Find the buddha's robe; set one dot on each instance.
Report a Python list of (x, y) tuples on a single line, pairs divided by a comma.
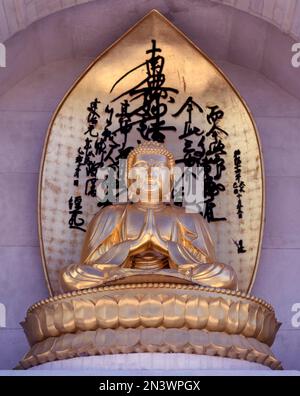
[(131, 240)]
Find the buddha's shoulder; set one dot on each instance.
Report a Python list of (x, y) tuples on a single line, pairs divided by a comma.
[(180, 210), (111, 211), (182, 213)]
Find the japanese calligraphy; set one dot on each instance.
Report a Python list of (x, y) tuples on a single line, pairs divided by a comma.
[(150, 109), (239, 185)]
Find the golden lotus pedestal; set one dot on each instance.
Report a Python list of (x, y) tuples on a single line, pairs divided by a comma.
[(151, 317)]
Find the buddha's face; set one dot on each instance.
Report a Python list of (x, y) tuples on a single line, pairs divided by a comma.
[(151, 179)]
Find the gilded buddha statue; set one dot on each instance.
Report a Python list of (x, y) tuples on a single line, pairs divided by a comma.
[(147, 239)]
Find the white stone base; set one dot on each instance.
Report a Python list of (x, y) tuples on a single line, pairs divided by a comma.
[(137, 362)]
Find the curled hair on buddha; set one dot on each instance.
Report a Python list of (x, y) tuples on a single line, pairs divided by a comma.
[(150, 148)]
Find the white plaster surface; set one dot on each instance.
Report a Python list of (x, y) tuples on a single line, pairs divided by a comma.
[(152, 361), (18, 14)]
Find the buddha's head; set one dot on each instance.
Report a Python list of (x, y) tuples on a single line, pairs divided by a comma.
[(150, 169)]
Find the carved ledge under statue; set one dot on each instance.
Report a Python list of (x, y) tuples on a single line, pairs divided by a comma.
[(152, 277)]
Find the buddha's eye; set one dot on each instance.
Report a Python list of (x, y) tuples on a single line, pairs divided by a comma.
[(155, 172)]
